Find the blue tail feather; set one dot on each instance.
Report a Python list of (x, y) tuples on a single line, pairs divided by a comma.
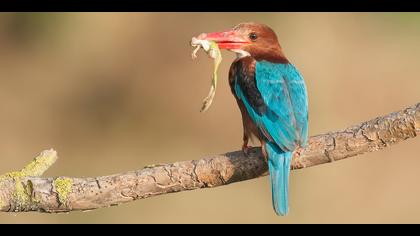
[(279, 168)]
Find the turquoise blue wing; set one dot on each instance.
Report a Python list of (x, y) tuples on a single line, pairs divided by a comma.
[(279, 107)]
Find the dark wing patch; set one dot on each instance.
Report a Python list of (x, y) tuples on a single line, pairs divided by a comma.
[(245, 69)]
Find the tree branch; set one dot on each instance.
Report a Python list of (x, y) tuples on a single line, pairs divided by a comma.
[(19, 193)]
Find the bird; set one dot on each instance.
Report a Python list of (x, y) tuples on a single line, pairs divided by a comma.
[(272, 98)]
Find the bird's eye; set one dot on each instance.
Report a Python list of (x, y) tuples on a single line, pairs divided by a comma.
[(253, 36)]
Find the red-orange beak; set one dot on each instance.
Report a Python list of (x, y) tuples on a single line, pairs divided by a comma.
[(226, 39)]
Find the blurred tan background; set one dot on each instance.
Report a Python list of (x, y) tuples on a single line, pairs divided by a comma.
[(114, 92)]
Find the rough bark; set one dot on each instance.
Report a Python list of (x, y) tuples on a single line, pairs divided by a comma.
[(19, 193)]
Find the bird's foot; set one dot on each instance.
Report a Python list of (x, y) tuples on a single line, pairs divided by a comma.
[(298, 162), (298, 151), (246, 150)]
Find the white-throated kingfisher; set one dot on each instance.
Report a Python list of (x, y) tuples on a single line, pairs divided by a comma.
[(272, 98)]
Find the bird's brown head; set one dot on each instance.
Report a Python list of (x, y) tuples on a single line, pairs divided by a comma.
[(253, 39)]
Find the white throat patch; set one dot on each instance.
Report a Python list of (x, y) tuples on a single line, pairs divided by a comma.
[(240, 53)]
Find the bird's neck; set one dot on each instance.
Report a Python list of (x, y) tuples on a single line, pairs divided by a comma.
[(270, 54), (275, 56)]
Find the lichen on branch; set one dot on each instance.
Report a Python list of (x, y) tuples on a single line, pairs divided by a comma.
[(63, 187), (22, 194)]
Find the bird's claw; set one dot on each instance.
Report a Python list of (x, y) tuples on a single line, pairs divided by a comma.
[(246, 150)]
